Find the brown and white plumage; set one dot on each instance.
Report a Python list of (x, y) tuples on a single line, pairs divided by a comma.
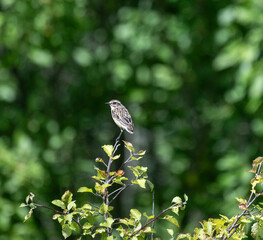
[(121, 116)]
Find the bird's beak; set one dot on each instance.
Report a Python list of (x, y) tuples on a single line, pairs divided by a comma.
[(107, 103)]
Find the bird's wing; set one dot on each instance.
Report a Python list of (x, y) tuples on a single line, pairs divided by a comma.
[(125, 117)]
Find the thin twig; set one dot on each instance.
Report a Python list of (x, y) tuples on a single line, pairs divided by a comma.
[(122, 189), (57, 211), (154, 219), (115, 147), (105, 197)]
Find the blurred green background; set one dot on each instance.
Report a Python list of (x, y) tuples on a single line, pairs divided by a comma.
[(190, 73)]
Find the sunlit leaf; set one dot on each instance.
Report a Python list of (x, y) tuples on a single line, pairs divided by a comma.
[(99, 160), (241, 200), (104, 208), (66, 231), (108, 223), (71, 205), (185, 198), (150, 185), (108, 149), (129, 146), (170, 231), (177, 200), (87, 225), (255, 164), (67, 197), (59, 203), (141, 152), (183, 236), (171, 219), (257, 230), (134, 213), (85, 189), (141, 182)]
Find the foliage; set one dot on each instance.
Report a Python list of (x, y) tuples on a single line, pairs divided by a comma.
[(92, 220), (95, 220), (236, 227)]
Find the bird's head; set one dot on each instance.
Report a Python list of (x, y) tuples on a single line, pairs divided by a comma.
[(114, 103)]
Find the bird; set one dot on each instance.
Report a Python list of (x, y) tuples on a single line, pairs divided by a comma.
[(121, 116)]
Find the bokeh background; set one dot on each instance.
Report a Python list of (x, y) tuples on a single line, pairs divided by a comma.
[(190, 73)]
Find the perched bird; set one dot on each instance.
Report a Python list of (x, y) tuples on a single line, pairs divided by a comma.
[(121, 116)]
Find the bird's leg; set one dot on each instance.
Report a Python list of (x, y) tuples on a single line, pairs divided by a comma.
[(117, 141), (118, 138)]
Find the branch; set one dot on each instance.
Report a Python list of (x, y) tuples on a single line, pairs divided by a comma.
[(105, 197), (146, 224), (115, 147), (120, 190), (57, 211)]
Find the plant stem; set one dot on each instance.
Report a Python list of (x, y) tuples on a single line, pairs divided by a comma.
[(105, 197), (57, 211), (154, 219)]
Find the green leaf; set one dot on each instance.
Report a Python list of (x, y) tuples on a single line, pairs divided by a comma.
[(256, 180), (99, 160), (71, 205), (255, 164), (104, 208), (141, 152), (147, 230), (177, 200), (148, 217), (170, 231), (185, 198), (175, 209), (67, 197), (171, 219), (129, 146), (138, 171), (87, 225), (141, 182), (99, 231), (56, 216), (108, 223), (30, 197), (85, 189), (108, 149), (28, 215), (135, 158), (127, 222), (184, 235), (115, 157), (68, 218), (134, 213), (66, 231), (23, 205), (241, 200), (257, 230), (86, 206), (101, 175), (74, 226), (59, 203), (207, 227), (150, 184)]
